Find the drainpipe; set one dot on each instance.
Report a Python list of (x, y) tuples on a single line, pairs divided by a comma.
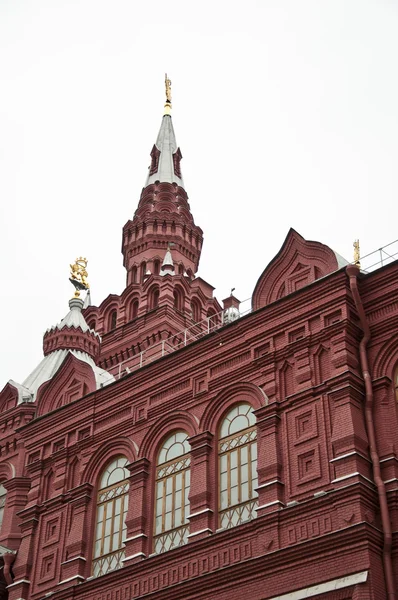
[(353, 272)]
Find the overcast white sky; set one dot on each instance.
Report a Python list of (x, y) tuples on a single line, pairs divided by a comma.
[(286, 113)]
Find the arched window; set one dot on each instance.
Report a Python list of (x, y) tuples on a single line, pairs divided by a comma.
[(3, 494), (134, 309), (92, 325), (156, 267), (143, 270), (111, 513), (112, 320), (172, 489), (179, 299), (134, 275), (153, 297), (196, 310), (238, 467)]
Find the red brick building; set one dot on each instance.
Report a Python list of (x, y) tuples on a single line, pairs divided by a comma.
[(170, 447)]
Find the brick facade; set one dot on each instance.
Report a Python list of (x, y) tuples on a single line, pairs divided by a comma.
[(295, 359)]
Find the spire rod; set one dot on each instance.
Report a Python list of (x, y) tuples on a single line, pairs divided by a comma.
[(167, 106)]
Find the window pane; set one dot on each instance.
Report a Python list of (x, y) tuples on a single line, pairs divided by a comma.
[(159, 489), (253, 450), (244, 492), (108, 526), (178, 517), (106, 544), (118, 505), (169, 502), (178, 481), (244, 474), (240, 422), (223, 482), (223, 463), (234, 477), (158, 524), (159, 506), (167, 523), (224, 499)]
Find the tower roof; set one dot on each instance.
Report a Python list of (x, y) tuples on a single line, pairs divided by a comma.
[(72, 336), (165, 156)]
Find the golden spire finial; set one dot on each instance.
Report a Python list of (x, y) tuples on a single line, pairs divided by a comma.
[(78, 275), (357, 255), (167, 106)]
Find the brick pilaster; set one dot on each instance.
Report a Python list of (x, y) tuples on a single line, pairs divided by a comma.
[(22, 566), (73, 568), (17, 497), (269, 462), (137, 516), (349, 439), (201, 517)]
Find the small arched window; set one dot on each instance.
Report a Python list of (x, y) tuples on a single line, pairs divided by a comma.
[(143, 271), (134, 275), (3, 494), (156, 267), (172, 489), (110, 528), (112, 320), (134, 309), (92, 325), (196, 310), (179, 299), (238, 467), (154, 298)]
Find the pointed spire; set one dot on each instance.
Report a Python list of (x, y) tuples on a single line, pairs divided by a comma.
[(168, 263), (165, 155)]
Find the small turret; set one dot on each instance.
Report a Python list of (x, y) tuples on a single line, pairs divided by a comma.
[(71, 337)]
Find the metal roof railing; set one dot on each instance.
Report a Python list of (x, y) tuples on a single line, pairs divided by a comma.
[(180, 340), (380, 257)]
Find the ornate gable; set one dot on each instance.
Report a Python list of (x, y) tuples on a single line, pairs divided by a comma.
[(298, 263), (8, 397), (73, 380)]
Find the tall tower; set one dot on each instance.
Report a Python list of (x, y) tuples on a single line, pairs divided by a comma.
[(163, 218), (161, 250)]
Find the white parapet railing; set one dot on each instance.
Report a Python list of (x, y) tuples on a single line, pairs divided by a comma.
[(380, 257), (180, 339)]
